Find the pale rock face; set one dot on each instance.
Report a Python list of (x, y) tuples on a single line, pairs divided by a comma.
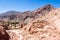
[(45, 27)]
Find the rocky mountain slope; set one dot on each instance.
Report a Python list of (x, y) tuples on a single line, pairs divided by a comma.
[(45, 25), (24, 15)]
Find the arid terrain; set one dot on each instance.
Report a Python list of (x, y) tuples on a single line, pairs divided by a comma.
[(40, 24)]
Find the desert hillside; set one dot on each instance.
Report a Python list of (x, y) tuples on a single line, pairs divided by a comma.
[(40, 24)]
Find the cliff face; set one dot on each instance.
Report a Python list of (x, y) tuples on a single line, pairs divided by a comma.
[(45, 27)]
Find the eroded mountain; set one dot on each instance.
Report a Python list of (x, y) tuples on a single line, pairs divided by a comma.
[(23, 15), (23, 18)]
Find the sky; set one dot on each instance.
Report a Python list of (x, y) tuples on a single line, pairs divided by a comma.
[(25, 5)]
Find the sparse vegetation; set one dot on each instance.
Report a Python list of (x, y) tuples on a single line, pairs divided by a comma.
[(8, 23)]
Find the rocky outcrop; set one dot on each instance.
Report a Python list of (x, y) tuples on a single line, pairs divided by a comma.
[(41, 24), (45, 27), (3, 34), (43, 10)]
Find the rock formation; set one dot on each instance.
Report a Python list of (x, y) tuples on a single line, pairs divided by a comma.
[(43, 25), (3, 34), (27, 15)]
